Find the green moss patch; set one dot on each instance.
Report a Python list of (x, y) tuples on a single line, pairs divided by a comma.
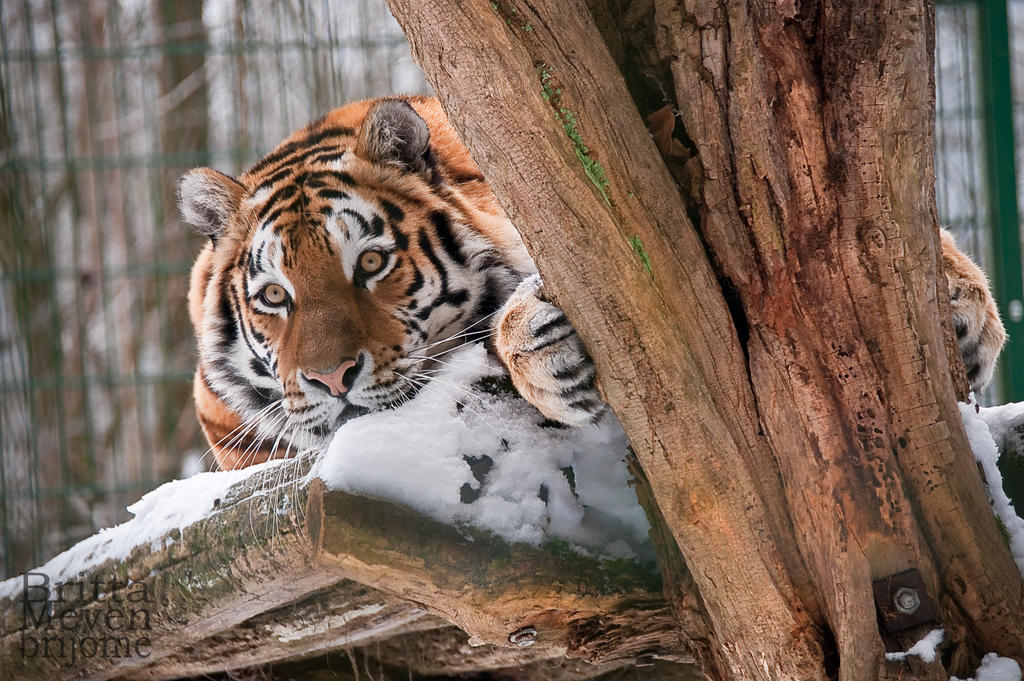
[(641, 252), (567, 117)]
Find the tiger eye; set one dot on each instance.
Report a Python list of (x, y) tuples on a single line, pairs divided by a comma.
[(370, 262), (274, 294)]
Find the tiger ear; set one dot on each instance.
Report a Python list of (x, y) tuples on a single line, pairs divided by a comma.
[(394, 134), (206, 200)]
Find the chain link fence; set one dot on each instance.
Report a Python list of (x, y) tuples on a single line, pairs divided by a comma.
[(959, 131), (102, 106)]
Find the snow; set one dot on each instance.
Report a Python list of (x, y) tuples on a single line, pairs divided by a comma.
[(924, 649), (981, 426), (995, 668), (417, 454), (1001, 419), (172, 506)]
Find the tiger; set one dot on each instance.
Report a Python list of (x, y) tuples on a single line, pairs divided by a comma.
[(345, 263), (980, 333)]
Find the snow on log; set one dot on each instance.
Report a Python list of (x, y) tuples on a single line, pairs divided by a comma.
[(1006, 424)]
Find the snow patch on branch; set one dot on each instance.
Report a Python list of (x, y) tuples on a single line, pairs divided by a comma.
[(172, 506), (926, 648), (980, 429), (995, 668), (464, 455)]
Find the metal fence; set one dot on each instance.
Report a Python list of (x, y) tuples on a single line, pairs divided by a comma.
[(961, 190), (104, 104), (979, 104)]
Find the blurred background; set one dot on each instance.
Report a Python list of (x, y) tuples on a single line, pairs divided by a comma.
[(103, 104)]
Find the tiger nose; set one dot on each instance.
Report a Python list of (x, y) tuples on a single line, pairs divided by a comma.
[(338, 381)]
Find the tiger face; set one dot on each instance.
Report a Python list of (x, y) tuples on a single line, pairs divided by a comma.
[(339, 268)]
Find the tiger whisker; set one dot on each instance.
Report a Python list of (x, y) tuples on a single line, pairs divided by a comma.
[(296, 511), (470, 336), (243, 430), (461, 332), (273, 493), (454, 348), (248, 423), (457, 363), (249, 453), (454, 386), (248, 458), (256, 423), (277, 442), (465, 406)]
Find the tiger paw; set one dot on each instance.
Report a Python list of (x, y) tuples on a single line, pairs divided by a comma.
[(545, 358), (979, 330)]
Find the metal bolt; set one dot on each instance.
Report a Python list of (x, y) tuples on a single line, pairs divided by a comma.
[(907, 600), (524, 637)]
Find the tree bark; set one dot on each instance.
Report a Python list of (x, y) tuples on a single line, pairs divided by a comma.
[(787, 314)]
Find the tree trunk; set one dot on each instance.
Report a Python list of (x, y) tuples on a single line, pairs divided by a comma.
[(784, 311)]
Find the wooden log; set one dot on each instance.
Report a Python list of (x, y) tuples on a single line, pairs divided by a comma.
[(446, 654), (344, 616), (268, 576), (197, 582), (347, 631), (577, 605)]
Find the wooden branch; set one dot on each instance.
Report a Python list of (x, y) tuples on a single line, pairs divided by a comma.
[(427, 647), (268, 576), (447, 654), (344, 616), (491, 589), (213, 575)]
